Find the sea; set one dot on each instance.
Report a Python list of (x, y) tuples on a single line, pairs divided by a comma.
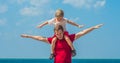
[(51, 61)]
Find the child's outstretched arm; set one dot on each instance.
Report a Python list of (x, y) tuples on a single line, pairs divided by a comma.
[(43, 24), (75, 24)]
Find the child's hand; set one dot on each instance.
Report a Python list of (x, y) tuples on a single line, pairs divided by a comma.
[(80, 26)]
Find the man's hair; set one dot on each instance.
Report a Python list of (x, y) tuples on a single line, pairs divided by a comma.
[(59, 13), (58, 27)]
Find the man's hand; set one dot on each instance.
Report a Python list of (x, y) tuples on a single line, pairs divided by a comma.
[(80, 26)]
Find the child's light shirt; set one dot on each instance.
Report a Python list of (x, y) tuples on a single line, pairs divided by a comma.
[(62, 22)]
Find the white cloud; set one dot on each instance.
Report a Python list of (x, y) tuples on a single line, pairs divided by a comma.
[(100, 3), (85, 3), (35, 8), (76, 3), (39, 3), (30, 11), (3, 8), (18, 23), (20, 1), (2, 22), (17, 1)]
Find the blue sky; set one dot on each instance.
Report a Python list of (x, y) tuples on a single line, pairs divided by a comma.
[(22, 16)]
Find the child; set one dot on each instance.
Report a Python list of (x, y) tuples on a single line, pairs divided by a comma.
[(59, 20)]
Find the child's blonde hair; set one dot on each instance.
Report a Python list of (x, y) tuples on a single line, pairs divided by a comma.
[(59, 13)]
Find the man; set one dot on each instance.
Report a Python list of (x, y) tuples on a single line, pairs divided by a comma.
[(62, 49)]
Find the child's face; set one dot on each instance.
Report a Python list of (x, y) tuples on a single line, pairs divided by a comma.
[(59, 18)]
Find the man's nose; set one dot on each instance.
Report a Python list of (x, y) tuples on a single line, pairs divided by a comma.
[(56, 33)]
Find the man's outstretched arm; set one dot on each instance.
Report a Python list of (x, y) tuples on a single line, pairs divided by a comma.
[(40, 38), (81, 33)]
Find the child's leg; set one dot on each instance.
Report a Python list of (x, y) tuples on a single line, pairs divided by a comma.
[(53, 47), (69, 42), (53, 44)]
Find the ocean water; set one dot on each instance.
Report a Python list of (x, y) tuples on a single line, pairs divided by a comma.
[(51, 61)]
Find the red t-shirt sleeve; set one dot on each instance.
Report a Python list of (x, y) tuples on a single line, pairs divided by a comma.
[(72, 37), (50, 39)]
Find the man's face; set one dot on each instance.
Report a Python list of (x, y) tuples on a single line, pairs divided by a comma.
[(59, 34)]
